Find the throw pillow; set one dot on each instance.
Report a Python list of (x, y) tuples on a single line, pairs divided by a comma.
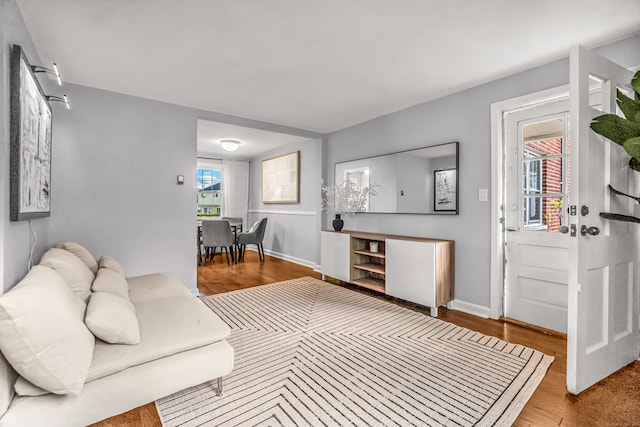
[(82, 253), (42, 335), (112, 319), (112, 264), (111, 282), (73, 271)]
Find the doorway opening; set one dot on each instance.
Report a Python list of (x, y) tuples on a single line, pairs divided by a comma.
[(530, 186)]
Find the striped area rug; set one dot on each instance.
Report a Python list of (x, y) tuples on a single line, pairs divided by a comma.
[(309, 353)]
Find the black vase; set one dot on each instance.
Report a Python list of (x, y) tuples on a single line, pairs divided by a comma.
[(338, 223)]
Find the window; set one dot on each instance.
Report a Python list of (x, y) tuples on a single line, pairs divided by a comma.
[(532, 186), (208, 183), (545, 174)]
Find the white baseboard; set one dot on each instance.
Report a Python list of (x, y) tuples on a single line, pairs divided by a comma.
[(467, 307), (286, 257)]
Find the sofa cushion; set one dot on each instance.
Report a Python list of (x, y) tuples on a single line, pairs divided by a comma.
[(7, 378), (155, 286), (23, 387), (42, 334), (112, 264), (72, 270), (82, 253), (111, 282), (112, 319), (124, 390), (167, 326)]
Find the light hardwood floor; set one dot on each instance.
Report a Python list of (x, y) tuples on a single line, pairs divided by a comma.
[(615, 401)]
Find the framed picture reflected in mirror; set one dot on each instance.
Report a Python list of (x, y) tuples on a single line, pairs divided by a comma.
[(445, 196)]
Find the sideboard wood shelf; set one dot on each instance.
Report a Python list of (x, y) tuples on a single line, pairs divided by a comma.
[(370, 283), (415, 269), (371, 254), (370, 266)]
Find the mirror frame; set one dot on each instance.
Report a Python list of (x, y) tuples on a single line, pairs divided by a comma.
[(455, 211)]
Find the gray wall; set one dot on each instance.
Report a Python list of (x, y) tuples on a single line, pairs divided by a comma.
[(115, 162), (16, 237), (292, 229), (464, 117), (412, 192)]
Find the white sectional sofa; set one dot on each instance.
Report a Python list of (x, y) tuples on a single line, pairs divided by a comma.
[(57, 367)]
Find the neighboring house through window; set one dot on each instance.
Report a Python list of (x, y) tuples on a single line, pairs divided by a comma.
[(209, 192)]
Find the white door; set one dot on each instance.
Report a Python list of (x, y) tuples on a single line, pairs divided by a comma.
[(603, 333), (535, 213)]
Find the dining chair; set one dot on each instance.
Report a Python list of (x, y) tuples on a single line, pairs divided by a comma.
[(218, 234), (234, 221), (253, 237)]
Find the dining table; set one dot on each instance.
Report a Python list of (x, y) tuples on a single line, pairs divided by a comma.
[(236, 227)]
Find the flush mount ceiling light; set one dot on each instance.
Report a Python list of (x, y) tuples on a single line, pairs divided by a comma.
[(229, 144)]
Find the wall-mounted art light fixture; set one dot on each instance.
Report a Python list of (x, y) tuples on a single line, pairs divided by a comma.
[(54, 71), (62, 99), (230, 144)]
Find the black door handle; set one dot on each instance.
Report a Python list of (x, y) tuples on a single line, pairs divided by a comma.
[(592, 231)]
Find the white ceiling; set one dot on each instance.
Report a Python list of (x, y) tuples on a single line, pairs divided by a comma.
[(253, 142), (314, 65)]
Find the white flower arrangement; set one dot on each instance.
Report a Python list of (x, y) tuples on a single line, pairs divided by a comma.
[(347, 197)]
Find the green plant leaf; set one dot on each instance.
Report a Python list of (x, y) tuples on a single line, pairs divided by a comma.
[(615, 128), (630, 107), (632, 147), (635, 83), (634, 164)]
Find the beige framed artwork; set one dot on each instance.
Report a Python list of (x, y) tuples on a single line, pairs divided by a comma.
[(281, 179)]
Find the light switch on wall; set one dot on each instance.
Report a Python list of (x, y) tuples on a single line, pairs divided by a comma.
[(483, 195)]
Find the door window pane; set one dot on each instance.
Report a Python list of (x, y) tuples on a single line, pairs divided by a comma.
[(544, 213), (544, 176), (545, 171)]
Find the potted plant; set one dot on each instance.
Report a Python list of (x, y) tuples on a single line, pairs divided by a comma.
[(624, 131), (346, 198)]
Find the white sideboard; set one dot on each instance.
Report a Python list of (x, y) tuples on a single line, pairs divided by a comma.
[(414, 269)]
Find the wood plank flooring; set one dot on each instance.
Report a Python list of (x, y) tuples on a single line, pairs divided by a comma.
[(614, 401)]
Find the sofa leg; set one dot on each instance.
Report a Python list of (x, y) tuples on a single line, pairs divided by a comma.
[(219, 390)]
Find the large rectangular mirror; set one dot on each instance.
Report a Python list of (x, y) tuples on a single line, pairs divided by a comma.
[(420, 181)]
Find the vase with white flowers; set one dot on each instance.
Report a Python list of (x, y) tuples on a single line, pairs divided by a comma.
[(346, 198)]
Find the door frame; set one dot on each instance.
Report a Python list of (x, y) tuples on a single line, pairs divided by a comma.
[(499, 112)]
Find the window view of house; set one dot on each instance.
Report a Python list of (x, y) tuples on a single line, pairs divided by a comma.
[(209, 192), (545, 175)]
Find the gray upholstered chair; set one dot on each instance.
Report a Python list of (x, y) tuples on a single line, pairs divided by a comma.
[(253, 237), (235, 222), (217, 234)]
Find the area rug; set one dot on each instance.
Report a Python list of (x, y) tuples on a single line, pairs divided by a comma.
[(309, 353)]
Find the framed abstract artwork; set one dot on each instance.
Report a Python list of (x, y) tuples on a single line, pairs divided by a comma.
[(30, 139), (445, 197), (281, 179)]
